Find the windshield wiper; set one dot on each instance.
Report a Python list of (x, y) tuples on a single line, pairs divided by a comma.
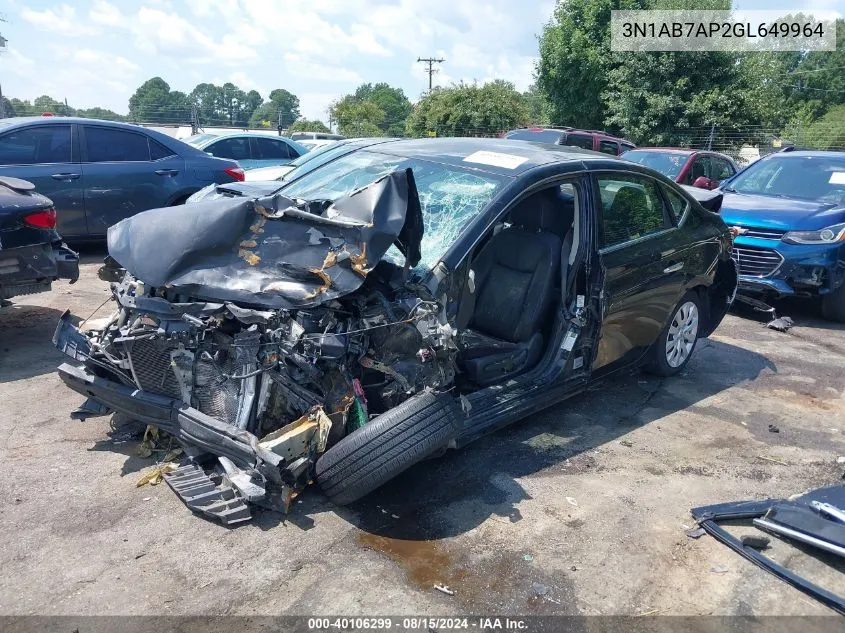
[(729, 189)]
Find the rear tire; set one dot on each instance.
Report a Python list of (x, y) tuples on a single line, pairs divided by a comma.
[(676, 343), (833, 305), (390, 444)]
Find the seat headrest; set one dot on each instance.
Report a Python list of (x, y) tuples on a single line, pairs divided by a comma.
[(547, 210)]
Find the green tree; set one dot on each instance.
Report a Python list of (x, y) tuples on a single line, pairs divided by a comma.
[(826, 132), (206, 98), (575, 60), (391, 101), (153, 102), (537, 110), (358, 118), (100, 113), (468, 110), (283, 105), (665, 98), (304, 125)]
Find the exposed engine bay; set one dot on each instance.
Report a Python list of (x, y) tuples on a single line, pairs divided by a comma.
[(256, 388), (298, 380)]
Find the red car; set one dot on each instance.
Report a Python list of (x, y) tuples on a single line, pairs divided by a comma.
[(699, 168), (596, 140)]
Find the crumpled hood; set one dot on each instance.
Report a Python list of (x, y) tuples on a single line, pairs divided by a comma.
[(779, 213), (272, 252)]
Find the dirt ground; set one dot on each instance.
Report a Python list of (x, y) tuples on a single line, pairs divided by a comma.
[(579, 510)]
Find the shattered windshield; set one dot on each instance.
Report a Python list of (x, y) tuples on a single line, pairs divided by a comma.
[(667, 163), (449, 196)]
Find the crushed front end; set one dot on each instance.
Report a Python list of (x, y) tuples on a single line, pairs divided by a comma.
[(256, 390)]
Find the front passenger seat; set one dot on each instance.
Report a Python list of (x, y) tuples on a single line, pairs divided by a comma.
[(515, 283)]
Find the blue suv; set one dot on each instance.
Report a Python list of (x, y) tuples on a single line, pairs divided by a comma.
[(99, 172), (787, 214)]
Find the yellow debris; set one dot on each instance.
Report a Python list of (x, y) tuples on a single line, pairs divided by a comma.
[(156, 474)]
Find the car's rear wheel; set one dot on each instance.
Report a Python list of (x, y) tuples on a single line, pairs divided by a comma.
[(833, 305), (676, 343), (393, 442)]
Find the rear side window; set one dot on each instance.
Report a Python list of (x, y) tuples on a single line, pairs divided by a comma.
[(269, 148), (159, 151), (720, 169), (234, 148), (579, 140), (609, 147), (632, 207), (35, 145), (700, 167), (677, 204), (106, 145)]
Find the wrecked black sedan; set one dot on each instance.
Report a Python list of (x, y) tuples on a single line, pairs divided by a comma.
[(32, 254), (398, 301)]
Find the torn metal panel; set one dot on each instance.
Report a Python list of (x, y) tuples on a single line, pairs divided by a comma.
[(709, 518), (272, 252)]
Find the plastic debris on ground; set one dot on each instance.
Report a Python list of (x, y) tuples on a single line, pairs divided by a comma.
[(812, 523), (781, 324), (444, 589)]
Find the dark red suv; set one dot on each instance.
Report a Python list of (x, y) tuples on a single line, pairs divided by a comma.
[(596, 140)]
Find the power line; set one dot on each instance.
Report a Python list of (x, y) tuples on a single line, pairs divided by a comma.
[(431, 69)]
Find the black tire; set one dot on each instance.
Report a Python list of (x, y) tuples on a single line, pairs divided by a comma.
[(833, 305), (393, 442), (658, 362)]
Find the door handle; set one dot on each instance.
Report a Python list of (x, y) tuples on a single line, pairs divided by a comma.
[(65, 176), (166, 172), (673, 268)]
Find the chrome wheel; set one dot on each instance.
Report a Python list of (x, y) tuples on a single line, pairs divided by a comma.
[(682, 334)]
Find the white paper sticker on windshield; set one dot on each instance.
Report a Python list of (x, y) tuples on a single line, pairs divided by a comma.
[(508, 161), (837, 178)]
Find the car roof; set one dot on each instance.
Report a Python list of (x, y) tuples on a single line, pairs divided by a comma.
[(45, 120), (807, 154), (669, 150), (454, 151), (574, 130)]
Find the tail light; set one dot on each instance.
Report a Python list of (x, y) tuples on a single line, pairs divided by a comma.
[(236, 172), (45, 219)]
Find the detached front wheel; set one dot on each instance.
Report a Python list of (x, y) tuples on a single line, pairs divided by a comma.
[(390, 444), (674, 347)]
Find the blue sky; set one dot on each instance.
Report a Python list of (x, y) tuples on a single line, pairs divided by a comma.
[(96, 53)]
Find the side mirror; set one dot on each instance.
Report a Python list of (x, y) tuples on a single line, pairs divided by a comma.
[(703, 182)]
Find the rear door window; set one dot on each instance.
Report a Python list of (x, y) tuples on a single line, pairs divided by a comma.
[(700, 167), (269, 148), (579, 140), (105, 145), (234, 148), (632, 207), (36, 145), (720, 169), (159, 151), (677, 204), (609, 147)]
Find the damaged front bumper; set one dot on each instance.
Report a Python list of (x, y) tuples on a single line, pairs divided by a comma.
[(31, 269)]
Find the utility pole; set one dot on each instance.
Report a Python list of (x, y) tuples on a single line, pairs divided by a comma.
[(431, 69), (280, 122), (710, 140), (195, 119)]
